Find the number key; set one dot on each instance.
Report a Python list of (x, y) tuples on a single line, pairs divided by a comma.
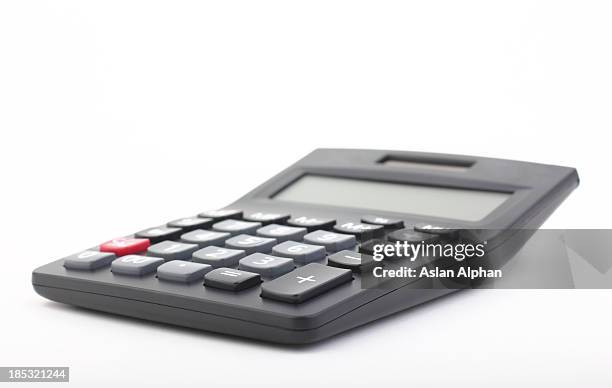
[(281, 232), (300, 252), (332, 242), (266, 265), (251, 244), (218, 257)]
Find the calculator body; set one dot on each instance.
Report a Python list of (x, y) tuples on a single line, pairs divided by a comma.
[(528, 194)]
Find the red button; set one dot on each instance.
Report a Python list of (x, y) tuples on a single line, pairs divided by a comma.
[(125, 246)]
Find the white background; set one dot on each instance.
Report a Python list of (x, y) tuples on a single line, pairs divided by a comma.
[(119, 115)]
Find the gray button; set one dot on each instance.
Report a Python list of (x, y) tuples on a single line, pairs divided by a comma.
[(205, 237), (266, 265), (231, 279), (236, 227), (218, 257), (136, 265), (222, 214), (182, 271), (305, 282), (172, 250), (89, 260), (266, 218), (300, 252), (191, 223), (281, 232), (333, 242), (251, 244), (159, 233)]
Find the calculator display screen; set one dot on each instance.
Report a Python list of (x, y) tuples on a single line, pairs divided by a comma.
[(458, 204)]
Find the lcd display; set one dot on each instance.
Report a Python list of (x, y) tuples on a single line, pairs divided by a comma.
[(457, 204)]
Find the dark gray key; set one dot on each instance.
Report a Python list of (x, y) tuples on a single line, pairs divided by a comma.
[(89, 260), (220, 215), (333, 242), (159, 233), (362, 231), (182, 271), (266, 265), (235, 227), (387, 223), (251, 244), (305, 282), (354, 261), (172, 250), (412, 236), (281, 232), (205, 238), (231, 279), (191, 223), (312, 223), (436, 229), (217, 256), (267, 218), (299, 252), (136, 265)]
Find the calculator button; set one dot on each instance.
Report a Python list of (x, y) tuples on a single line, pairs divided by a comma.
[(235, 227), (350, 260), (267, 218), (182, 271), (172, 250), (436, 229), (159, 233), (387, 223), (136, 265), (333, 242), (411, 235), (205, 237), (89, 260), (300, 252), (125, 246), (251, 244), (231, 279), (305, 282), (266, 265), (218, 257), (191, 223), (362, 231), (220, 215), (312, 223), (281, 232)]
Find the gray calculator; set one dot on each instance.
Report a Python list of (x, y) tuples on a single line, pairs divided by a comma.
[(286, 262)]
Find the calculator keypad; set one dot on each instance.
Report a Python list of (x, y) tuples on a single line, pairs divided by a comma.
[(297, 258)]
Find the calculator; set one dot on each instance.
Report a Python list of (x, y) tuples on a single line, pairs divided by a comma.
[(286, 262)]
